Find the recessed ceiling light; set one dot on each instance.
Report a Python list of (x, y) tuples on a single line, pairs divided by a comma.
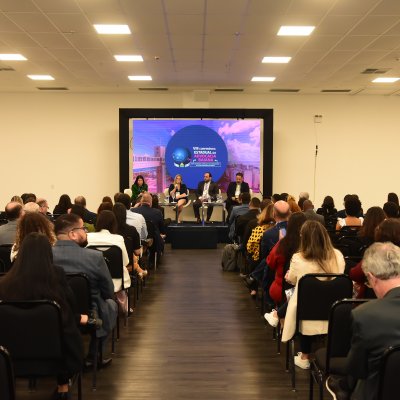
[(263, 78), (41, 77), (385, 80), (276, 60), (139, 78), (112, 29), (295, 30), (12, 57), (128, 58)]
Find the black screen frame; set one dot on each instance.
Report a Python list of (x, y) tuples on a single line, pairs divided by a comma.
[(126, 114)]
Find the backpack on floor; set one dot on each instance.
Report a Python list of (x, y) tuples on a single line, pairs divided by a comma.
[(229, 257)]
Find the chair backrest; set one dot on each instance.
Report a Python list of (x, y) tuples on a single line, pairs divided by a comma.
[(38, 352), (80, 286), (317, 293), (5, 260), (7, 383), (340, 329), (113, 257), (389, 382)]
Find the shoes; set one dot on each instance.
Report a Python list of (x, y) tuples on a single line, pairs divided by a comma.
[(253, 293), (198, 220), (334, 385), (249, 282), (242, 275), (271, 319), (105, 362), (304, 364), (142, 274)]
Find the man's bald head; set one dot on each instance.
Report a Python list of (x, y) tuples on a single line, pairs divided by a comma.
[(13, 210), (281, 211), (308, 205), (146, 199)]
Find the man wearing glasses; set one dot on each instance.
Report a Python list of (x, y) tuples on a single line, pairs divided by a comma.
[(207, 191), (70, 254)]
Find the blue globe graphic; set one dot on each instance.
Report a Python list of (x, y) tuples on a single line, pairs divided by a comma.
[(181, 156)]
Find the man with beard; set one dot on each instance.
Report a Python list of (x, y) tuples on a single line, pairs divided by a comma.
[(69, 253)]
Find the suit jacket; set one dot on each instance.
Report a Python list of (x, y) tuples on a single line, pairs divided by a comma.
[(212, 190), (236, 212), (8, 232), (74, 259), (312, 215), (151, 214), (243, 221), (230, 192), (375, 328)]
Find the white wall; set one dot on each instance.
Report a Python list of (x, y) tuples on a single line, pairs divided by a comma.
[(55, 143)]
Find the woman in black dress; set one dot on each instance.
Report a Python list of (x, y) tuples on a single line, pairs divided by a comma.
[(178, 193)]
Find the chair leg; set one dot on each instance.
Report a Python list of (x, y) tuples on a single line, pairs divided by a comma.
[(278, 338), (311, 387), (287, 356), (293, 367), (321, 386), (80, 386)]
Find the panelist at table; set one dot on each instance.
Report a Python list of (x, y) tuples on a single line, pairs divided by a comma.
[(207, 191), (178, 193), (234, 190)]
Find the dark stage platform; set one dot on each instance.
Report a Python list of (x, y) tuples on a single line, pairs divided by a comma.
[(195, 236)]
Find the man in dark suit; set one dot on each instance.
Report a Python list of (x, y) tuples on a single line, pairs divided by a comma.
[(233, 192), (207, 190), (243, 220), (69, 253), (376, 325), (308, 211)]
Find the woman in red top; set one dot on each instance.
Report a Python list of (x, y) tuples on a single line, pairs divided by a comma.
[(279, 257), (387, 231)]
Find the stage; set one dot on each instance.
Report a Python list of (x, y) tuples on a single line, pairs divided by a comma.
[(189, 235)]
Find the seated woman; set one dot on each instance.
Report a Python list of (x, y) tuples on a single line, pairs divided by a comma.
[(387, 231), (131, 239), (316, 256), (352, 207), (28, 223), (138, 187), (178, 192), (279, 258), (64, 204), (34, 277), (328, 211)]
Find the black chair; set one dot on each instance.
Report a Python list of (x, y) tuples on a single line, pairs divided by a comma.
[(389, 383), (80, 285), (113, 257), (154, 250), (7, 382), (40, 352), (5, 260), (315, 295), (332, 358)]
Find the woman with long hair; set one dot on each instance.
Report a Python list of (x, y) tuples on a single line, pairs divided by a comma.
[(373, 217), (316, 255), (64, 204), (178, 193), (131, 239), (34, 277), (32, 222), (138, 187), (327, 208)]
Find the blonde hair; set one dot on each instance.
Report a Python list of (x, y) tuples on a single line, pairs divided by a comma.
[(266, 215), (316, 245), (176, 177)]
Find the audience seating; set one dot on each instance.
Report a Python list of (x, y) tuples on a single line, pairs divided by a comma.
[(80, 285), (389, 383), (7, 383), (332, 358), (5, 260), (314, 301), (40, 352)]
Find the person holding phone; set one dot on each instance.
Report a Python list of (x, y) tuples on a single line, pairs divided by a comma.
[(178, 193)]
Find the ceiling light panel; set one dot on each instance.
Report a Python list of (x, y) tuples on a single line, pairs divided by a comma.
[(41, 77), (12, 57), (112, 29), (129, 58), (385, 80), (295, 30), (139, 78), (263, 78), (276, 60)]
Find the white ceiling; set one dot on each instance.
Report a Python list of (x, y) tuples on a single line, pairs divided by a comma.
[(201, 44)]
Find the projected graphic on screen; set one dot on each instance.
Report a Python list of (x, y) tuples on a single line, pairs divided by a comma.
[(164, 148)]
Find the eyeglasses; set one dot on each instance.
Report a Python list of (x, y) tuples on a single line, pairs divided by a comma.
[(81, 227)]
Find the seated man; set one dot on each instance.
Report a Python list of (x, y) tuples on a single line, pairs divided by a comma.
[(69, 254), (375, 325), (207, 190), (251, 215), (308, 211), (8, 231), (233, 192), (89, 216), (242, 208)]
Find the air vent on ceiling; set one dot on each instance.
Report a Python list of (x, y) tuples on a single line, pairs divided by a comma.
[(154, 89), (336, 90), (6, 69), (52, 88), (285, 90), (228, 90), (375, 71)]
